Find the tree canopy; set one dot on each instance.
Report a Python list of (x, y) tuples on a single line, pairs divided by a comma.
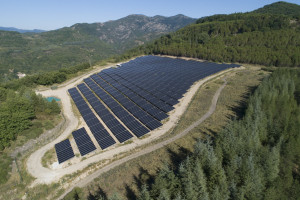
[(266, 39)]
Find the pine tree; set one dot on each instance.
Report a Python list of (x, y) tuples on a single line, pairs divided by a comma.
[(144, 194)]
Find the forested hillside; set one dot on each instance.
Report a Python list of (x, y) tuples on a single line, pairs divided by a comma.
[(259, 37), (23, 115), (18, 110), (280, 7), (80, 43)]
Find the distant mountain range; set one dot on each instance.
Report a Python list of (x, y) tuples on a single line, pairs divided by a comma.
[(51, 50), (21, 30)]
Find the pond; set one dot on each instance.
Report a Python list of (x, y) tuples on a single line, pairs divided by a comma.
[(51, 98)]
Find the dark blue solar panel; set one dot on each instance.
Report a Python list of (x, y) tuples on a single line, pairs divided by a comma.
[(111, 122), (146, 87), (64, 151), (104, 139), (129, 105), (83, 141)]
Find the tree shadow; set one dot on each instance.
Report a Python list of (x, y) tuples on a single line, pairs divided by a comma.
[(208, 133), (177, 157), (144, 177), (130, 194), (240, 109), (297, 96), (99, 194)]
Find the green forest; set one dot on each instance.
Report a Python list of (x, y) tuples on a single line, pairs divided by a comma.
[(259, 37), (25, 114), (18, 109), (46, 78)]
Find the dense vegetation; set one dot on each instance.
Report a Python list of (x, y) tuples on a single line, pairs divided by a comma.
[(280, 7), (18, 109), (258, 37), (24, 114), (46, 78), (39, 52)]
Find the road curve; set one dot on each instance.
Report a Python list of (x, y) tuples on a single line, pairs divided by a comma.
[(83, 182)]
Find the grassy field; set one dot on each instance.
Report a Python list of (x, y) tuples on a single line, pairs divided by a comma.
[(127, 178)]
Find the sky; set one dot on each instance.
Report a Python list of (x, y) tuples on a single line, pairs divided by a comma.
[(54, 14)]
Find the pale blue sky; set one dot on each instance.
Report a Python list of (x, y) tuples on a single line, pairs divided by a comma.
[(53, 14)]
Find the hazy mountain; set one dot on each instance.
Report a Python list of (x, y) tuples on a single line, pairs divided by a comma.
[(122, 33), (21, 30), (80, 43)]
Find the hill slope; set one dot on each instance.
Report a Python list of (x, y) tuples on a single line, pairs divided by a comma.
[(32, 52), (259, 38), (280, 7)]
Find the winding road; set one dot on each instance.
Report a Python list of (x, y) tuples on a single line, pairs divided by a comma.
[(83, 182)]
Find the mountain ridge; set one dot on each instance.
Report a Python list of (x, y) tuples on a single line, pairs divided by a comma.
[(79, 43)]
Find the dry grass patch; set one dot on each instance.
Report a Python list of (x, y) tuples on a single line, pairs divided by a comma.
[(49, 158)]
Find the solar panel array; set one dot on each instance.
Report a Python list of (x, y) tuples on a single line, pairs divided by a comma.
[(118, 130), (83, 141), (64, 151), (102, 136), (134, 98)]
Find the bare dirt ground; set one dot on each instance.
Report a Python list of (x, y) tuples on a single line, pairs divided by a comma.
[(46, 175)]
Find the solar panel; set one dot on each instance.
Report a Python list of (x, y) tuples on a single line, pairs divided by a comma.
[(64, 151), (111, 122), (83, 141), (140, 93), (104, 139), (129, 105)]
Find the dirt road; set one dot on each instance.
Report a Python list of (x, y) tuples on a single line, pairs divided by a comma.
[(83, 182)]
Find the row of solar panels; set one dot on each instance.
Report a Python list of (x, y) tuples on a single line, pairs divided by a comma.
[(164, 81), (83, 141), (134, 98)]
